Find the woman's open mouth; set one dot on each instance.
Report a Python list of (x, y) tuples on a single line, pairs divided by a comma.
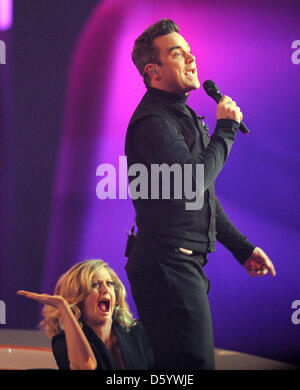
[(104, 305)]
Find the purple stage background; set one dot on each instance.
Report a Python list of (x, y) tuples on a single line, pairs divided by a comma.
[(52, 216)]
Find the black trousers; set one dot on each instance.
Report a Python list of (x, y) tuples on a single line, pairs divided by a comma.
[(170, 292)]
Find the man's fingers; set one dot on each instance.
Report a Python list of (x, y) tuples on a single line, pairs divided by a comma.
[(228, 109), (259, 269), (260, 263), (269, 265), (271, 268), (225, 99), (230, 103), (262, 271)]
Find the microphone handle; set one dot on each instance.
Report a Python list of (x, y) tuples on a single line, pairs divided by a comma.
[(217, 96)]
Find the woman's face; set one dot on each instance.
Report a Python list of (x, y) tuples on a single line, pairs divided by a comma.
[(98, 307)]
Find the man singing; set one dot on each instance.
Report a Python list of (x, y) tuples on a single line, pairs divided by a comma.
[(165, 266)]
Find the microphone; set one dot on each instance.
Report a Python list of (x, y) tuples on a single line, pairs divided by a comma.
[(213, 91)]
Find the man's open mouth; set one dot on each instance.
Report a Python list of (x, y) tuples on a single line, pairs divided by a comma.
[(190, 72), (104, 305)]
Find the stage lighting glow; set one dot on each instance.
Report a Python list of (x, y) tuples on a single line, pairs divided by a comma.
[(6, 14)]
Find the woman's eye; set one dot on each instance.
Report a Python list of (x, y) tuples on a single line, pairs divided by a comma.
[(109, 283)]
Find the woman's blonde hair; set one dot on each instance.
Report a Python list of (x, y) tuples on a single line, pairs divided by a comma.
[(75, 285)]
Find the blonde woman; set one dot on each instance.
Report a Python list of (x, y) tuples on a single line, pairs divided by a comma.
[(90, 323)]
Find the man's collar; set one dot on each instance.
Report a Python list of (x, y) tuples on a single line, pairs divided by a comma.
[(171, 97)]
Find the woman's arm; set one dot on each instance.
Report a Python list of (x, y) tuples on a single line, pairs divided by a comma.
[(80, 353)]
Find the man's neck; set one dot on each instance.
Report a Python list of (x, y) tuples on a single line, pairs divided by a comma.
[(169, 90)]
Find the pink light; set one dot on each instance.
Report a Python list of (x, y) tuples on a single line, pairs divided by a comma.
[(6, 14)]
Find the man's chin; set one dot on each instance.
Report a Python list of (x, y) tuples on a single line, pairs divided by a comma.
[(193, 86)]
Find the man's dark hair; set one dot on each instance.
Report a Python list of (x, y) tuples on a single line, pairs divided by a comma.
[(145, 51)]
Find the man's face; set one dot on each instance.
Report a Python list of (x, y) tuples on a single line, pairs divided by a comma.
[(178, 72)]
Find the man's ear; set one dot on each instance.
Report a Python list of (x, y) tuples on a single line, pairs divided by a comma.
[(151, 70)]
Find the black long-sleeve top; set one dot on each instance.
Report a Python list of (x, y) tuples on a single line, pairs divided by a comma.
[(134, 346), (165, 130)]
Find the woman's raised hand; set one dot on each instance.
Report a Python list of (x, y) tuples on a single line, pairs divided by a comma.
[(46, 299)]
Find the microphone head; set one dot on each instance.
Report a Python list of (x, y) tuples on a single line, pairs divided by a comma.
[(212, 90), (210, 87)]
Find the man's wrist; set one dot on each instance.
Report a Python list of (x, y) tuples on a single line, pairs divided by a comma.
[(227, 123)]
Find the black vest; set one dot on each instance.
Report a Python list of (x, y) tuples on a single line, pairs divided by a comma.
[(168, 218)]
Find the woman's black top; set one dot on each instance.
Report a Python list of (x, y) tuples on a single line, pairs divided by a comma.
[(135, 349)]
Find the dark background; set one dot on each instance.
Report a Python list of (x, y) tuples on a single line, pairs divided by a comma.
[(39, 48)]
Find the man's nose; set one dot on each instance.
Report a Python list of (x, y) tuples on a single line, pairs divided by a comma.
[(190, 58)]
